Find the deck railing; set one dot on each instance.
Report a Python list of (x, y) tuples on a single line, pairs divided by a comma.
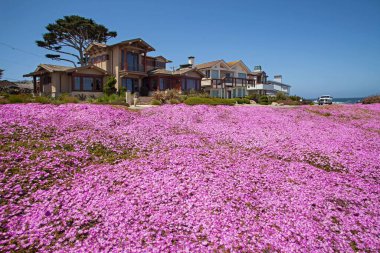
[(231, 82)]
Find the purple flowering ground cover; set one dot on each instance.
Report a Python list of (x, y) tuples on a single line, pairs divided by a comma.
[(90, 178)]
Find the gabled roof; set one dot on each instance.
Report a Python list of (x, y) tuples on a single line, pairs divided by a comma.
[(231, 63), (43, 68), (87, 67), (138, 41), (211, 64), (186, 70), (178, 72), (6, 83), (53, 68), (47, 68), (160, 57), (239, 62), (208, 64)]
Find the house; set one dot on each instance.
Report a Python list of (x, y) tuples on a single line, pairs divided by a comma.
[(128, 61), (225, 79), (54, 80), (263, 86)]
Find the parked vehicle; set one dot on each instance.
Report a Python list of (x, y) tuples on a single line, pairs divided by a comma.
[(325, 99)]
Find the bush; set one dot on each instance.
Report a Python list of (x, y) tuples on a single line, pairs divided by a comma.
[(263, 100), (281, 96), (174, 101), (69, 99), (295, 98), (20, 98), (371, 99), (111, 99), (171, 94), (209, 101), (254, 97), (109, 88), (155, 102), (159, 95), (81, 97), (242, 100), (42, 100)]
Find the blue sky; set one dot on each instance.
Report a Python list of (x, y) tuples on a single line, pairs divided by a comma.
[(320, 47)]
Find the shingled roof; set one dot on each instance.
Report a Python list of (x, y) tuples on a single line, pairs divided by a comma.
[(207, 64)]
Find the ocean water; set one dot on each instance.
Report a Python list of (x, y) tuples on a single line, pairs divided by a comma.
[(344, 100)]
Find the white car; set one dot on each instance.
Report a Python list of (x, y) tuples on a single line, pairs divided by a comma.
[(325, 99)]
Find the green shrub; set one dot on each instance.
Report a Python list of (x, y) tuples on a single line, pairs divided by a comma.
[(111, 99), (159, 95), (81, 97), (201, 94), (174, 101), (155, 102), (254, 97), (371, 100), (281, 96), (42, 100), (171, 94), (20, 98), (263, 100), (209, 101), (70, 99), (295, 98), (242, 100), (3, 101), (109, 87), (57, 102)]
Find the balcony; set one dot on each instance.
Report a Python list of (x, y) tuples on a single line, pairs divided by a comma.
[(227, 82), (135, 68), (261, 86)]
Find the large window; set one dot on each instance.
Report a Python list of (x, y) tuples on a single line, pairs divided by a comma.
[(214, 74), (77, 81), (133, 61), (87, 83), (129, 84), (189, 84), (242, 75)]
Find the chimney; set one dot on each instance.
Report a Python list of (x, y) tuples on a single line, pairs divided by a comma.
[(278, 78), (191, 60)]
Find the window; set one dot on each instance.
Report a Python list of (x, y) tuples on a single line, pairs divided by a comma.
[(242, 75), (160, 64), (88, 83), (214, 74), (77, 83), (164, 83), (133, 61), (214, 93), (191, 84), (122, 59), (207, 73), (129, 84), (46, 79), (98, 84)]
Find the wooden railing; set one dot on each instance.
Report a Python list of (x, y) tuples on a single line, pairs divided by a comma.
[(231, 82)]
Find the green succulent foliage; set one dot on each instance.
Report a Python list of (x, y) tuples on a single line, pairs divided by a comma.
[(69, 36)]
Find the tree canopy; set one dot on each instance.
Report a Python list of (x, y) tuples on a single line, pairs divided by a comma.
[(69, 36), (1, 73)]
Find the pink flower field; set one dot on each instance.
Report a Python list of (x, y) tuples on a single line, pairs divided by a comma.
[(92, 178)]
